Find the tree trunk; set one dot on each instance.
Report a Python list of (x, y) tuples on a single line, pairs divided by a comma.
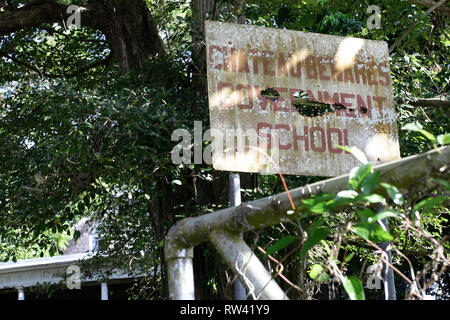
[(131, 32), (160, 209), (127, 25), (200, 10)]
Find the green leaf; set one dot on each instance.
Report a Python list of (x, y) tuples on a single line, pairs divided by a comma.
[(177, 182), (417, 127), (443, 139), (345, 148), (354, 288), (80, 207), (316, 224), (371, 231), (349, 257), (279, 244), (357, 176), (445, 183), (393, 193), (384, 214), (317, 273), (370, 182), (347, 194), (362, 230), (338, 201), (76, 235), (313, 206), (371, 198), (317, 204), (429, 203), (357, 153), (380, 235), (314, 237), (365, 215)]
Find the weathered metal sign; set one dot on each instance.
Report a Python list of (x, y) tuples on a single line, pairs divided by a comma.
[(255, 77)]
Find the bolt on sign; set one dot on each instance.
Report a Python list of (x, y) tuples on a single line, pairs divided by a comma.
[(296, 97)]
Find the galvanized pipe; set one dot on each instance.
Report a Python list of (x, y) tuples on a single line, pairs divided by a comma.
[(388, 273), (104, 291), (189, 232), (180, 271), (235, 200), (272, 210), (251, 272), (20, 294)]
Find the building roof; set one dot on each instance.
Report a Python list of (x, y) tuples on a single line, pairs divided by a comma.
[(42, 263), (31, 272)]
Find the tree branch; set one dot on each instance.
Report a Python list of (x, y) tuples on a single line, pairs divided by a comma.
[(65, 75), (412, 26), (429, 4), (97, 63), (434, 102), (39, 12), (22, 63), (128, 25), (35, 13)]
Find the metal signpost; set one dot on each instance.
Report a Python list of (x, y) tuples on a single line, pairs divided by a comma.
[(295, 97), (235, 200)]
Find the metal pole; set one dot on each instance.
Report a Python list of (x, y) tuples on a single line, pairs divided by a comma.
[(235, 200), (243, 261), (21, 293), (180, 272), (104, 287), (388, 273)]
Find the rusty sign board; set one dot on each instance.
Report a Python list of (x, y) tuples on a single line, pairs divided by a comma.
[(262, 83)]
